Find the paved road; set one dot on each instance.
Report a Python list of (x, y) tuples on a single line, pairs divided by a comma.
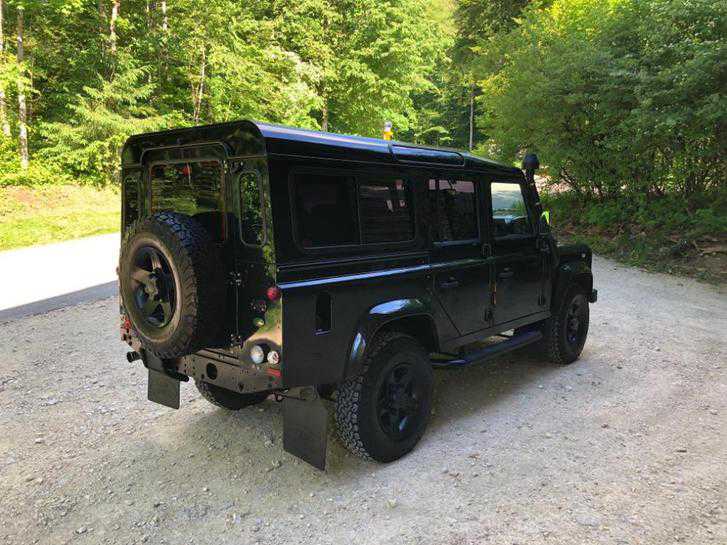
[(627, 446), (42, 278)]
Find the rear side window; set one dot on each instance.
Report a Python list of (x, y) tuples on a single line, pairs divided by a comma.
[(509, 213), (385, 212), (251, 209), (341, 210), (454, 210), (325, 210), (191, 188)]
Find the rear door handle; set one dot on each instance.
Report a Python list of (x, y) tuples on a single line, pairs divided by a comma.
[(505, 274), (449, 284)]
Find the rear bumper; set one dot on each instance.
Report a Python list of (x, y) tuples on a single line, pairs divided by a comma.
[(593, 297)]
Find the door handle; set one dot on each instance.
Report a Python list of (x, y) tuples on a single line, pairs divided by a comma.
[(506, 274), (449, 284)]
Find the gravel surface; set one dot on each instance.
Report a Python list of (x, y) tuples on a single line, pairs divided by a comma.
[(626, 446)]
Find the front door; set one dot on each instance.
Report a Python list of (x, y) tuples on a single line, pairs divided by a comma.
[(461, 268), (518, 261)]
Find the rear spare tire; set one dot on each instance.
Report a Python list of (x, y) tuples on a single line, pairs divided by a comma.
[(171, 284)]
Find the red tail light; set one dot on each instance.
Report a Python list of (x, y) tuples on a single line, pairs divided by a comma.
[(273, 293)]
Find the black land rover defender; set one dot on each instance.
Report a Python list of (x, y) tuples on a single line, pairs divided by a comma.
[(264, 260)]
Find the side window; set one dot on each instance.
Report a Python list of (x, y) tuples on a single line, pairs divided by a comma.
[(251, 211), (385, 210), (191, 188), (509, 213), (325, 210), (454, 210), (130, 189)]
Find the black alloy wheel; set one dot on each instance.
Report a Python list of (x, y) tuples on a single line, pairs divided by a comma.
[(154, 287), (576, 321), (399, 400)]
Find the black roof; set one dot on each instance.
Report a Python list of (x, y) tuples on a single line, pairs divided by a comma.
[(283, 140)]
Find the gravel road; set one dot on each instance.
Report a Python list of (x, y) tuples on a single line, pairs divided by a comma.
[(626, 446)]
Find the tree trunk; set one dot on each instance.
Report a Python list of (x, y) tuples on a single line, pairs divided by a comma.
[(112, 25), (472, 117), (3, 105), (324, 114), (22, 108), (165, 20), (101, 17), (198, 90)]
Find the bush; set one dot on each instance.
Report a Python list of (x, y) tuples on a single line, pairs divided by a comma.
[(619, 96)]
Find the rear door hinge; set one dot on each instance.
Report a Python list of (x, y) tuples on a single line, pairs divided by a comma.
[(235, 279)]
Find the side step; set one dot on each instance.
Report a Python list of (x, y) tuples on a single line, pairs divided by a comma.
[(489, 352)]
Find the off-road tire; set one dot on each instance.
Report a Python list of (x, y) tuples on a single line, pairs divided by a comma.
[(356, 414), (197, 271), (227, 399), (554, 344)]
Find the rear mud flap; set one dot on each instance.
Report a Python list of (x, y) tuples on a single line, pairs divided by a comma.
[(163, 385), (305, 423), (163, 389)]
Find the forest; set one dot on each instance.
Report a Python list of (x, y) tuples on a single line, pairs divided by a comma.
[(623, 100)]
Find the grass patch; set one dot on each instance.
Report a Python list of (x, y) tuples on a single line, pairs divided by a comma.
[(39, 215), (666, 234)]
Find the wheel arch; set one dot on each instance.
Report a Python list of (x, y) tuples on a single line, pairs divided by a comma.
[(577, 272), (412, 316)]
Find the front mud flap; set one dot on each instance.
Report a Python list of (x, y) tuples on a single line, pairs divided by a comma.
[(305, 426)]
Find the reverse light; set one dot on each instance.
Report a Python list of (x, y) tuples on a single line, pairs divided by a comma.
[(273, 357), (273, 293), (257, 354)]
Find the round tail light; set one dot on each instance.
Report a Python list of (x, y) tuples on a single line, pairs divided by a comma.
[(273, 293)]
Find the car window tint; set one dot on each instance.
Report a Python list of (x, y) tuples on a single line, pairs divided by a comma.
[(251, 209), (509, 213), (385, 211), (193, 189), (454, 210), (325, 210)]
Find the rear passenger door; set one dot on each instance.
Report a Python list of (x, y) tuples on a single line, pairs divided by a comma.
[(459, 257), (518, 261)]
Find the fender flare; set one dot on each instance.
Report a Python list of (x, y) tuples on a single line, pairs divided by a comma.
[(569, 272), (378, 316)]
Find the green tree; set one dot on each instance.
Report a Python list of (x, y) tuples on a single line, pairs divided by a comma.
[(87, 145)]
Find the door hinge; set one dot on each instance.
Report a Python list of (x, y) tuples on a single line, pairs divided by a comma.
[(235, 279)]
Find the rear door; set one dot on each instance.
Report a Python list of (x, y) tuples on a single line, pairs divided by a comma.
[(518, 261), (459, 257)]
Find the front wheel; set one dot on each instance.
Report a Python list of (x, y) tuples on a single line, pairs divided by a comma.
[(382, 413), (564, 333)]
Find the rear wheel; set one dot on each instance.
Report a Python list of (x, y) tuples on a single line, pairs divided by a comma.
[(382, 413), (227, 399)]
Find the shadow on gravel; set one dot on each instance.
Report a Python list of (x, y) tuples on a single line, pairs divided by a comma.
[(94, 293), (254, 435), (460, 392)]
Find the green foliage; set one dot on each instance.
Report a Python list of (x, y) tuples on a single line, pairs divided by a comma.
[(87, 145), (617, 96)]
